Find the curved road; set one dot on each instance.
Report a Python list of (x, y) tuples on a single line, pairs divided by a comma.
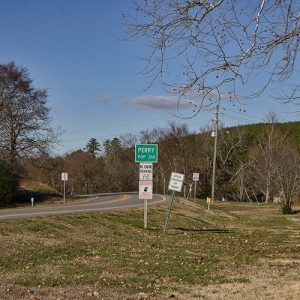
[(96, 203)]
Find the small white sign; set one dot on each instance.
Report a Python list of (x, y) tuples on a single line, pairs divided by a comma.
[(176, 182), (64, 176), (145, 190), (195, 176), (146, 171)]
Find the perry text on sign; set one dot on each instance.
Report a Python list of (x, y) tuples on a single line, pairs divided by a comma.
[(146, 153)]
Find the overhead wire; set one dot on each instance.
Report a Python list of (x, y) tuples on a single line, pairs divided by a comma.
[(241, 113), (236, 118)]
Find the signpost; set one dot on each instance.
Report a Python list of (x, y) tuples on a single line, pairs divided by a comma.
[(146, 190), (195, 178), (175, 185), (146, 171), (145, 193), (146, 153), (176, 182), (190, 191), (64, 178)]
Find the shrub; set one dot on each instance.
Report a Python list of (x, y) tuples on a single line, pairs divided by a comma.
[(286, 209), (8, 185)]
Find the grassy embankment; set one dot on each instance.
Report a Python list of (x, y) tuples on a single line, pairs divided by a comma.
[(109, 255)]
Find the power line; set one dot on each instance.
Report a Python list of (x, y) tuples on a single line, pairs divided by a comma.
[(242, 113), (235, 117)]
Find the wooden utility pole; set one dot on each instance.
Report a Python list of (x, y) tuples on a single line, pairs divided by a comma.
[(215, 155)]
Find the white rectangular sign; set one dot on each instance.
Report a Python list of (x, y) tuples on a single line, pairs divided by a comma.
[(145, 190), (176, 182), (146, 171), (64, 176), (195, 176)]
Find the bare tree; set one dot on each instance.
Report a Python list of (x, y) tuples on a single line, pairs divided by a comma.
[(259, 171), (287, 176), (24, 117), (222, 46)]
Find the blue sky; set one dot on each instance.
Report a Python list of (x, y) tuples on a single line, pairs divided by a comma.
[(74, 49)]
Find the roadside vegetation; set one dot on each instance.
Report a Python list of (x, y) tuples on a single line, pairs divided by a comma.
[(255, 163), (109, 255), (8, 185)]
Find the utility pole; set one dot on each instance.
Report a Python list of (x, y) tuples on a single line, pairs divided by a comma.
[(215, 155)]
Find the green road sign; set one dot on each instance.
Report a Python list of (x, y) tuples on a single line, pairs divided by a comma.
[(146, 153)]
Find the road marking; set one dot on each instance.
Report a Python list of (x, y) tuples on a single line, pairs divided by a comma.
[(126, 197), (77, 210), (75, 203)]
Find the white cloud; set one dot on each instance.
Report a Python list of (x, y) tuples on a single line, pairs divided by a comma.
[(159, 102)]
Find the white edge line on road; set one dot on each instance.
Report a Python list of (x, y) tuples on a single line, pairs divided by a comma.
[(78, 210)]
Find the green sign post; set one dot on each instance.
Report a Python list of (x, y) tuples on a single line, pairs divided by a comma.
[(146, 153)]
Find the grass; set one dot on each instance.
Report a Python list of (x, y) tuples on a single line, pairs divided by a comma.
[(37, 187), (111, 250)]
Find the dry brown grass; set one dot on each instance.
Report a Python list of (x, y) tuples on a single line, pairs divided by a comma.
[(234, 251)]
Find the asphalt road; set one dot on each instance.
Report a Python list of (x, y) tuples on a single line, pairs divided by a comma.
[(95, 203)]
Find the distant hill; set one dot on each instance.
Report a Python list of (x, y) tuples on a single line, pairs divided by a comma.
[(254, 131)]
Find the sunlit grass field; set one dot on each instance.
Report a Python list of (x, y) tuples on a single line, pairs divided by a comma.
[(111, 252)]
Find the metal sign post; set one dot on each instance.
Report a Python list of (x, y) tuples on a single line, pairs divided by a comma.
[(169, 213), (190, 191), (146, 155), (195, 178), (64, 178), (145, 193), (145, 213), (64, 192), (175, 185)]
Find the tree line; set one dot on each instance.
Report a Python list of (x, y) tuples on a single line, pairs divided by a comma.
[(25, 129), (254, 162)]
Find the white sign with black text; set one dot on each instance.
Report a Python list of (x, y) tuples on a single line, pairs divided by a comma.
[(146, 171), (176, 182), (195, 176), (64, 176)]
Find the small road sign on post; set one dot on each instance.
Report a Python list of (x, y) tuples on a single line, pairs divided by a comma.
[(146, 153), (146, 171), (64, 178), (145, 190), (145, 193), (176, 182), (195, 178), (175, 185)]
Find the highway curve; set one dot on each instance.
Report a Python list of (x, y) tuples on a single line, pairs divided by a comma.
[(95, 203)]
